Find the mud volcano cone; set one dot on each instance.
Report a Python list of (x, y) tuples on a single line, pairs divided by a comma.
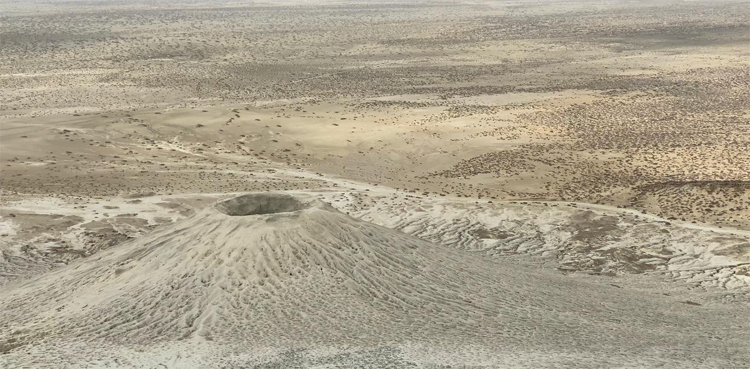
[(247, 266)]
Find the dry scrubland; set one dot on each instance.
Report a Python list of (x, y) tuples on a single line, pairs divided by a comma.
[(556, 139), (642, 105)]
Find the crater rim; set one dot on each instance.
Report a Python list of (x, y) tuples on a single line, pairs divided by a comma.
[(260, 204)]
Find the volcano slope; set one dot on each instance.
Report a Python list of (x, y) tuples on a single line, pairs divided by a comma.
[(271, 280)]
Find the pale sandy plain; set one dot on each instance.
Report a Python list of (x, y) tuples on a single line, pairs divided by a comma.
[(458, 184)]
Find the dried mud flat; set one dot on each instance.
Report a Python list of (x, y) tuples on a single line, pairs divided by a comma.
[(495, 184)]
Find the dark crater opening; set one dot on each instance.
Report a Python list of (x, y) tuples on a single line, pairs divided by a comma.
[(258, 204)]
